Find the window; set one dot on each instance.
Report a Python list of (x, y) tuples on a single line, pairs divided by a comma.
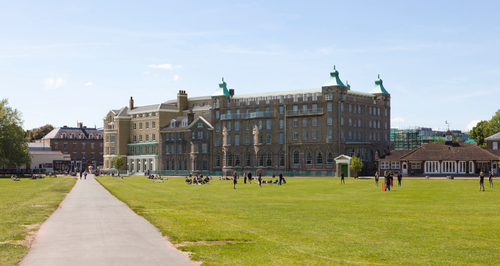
[(342, 107), (247, 139), (330, 134), (319, 158), (259, 138), (260, 159), (417, 165), (304, 135), (147, 137), (217, 160), (329, 121), (282, 159), (350, 134), (247, 125), (92, 155), (135, 126), (462, 167), (147, 125), (295, 123), (431, 167), (112, 139), (378, 111), (395, 165), (269, 159), (216, 127), (295, 109), (268, 124), (200, 135), (84, 155), (281, 139), (304, 122), (204, 165), (217, 114), (207, 135), (341, 121), (228, 139), (359, 122), (314, 122), (315, 135), (196, 148), (268, 139), (84, 146), (112, 150), (495, 145), (200, 124), (56, 146), (153, 123), (140, 126), (354, 122), (74, 146), (308, 158), (385, 125), (236, 159), (281, 110), (329, 158), (354, 107), (281, 124), (448, 167), (140, 137), (350, 108), (296, 158), (370, 110), (385, 112), (295, 135), (350, 121), (247, 159), (329, 107), (92, 145), (359, 109), (237, 126), (179, 148), (228, 126), (384, 165), (237, 139)]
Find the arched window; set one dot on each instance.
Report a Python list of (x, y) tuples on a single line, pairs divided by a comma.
[(196, 166), (260, 159), (237, 160), (185, 122), (167, 165), (82, 136), (73, 136), (204, 165), (179, 164), (282, 159), (247, 159), (269, 159), (308, 158), (229, 159), (172, 123), (217, 160), (173, 164), (319, 158), (329, 158), (296, 158)]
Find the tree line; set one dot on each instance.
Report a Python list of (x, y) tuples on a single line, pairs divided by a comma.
[(13, 138), (485, 129)]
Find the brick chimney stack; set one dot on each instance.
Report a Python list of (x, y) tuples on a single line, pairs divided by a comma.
[(131, 103), (190, 117)]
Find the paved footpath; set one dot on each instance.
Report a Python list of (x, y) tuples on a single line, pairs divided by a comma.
[(92, 227)]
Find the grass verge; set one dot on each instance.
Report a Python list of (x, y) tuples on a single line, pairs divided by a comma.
[(24, 205), (317, 221)]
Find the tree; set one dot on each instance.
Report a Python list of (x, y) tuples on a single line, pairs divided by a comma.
[(356, 165), (39, 133), (480, 132), (494, 124), (13, 139), (118, 163)]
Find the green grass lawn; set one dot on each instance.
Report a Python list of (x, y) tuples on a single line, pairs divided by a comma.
[(317, 221), (24, 205)]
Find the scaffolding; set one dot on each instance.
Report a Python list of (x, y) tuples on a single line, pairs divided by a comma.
[(405, 139)]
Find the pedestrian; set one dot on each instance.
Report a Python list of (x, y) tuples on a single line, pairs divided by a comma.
[(388, 181), (342, 178), (400, 177), (235, 179), (85, 174), (81, 173), (481, 180), (245, 177), (250, 177), (376, 178), (281, 177), (391, 177), (491, 179), (260, 179)]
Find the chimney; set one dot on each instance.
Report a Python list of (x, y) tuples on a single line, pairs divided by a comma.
[(182, 102), (131, 103), (231, 92), (80, 125), (190, 117)]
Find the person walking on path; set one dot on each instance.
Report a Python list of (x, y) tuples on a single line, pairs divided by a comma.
[(235, 176), (81, 173), (491, 179), (342, 178), (85, 174), (400, 177), (376, 178), (481, 180), (245, 177), (250, 177), (260, 179), (281, 177)]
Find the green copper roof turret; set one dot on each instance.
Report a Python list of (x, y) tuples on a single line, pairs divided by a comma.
[(222, 91), (379, 87), (334, 79)]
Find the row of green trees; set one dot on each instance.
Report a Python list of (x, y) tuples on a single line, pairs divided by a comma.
[(485, 129), (13, 138)]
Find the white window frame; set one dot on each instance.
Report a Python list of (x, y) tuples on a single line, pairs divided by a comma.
[(395, 165), (432, 167), (384, 165)]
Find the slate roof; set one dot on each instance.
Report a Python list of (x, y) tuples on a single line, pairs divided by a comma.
[(493, 137), (178, 123), (442, 152), (56, 133)]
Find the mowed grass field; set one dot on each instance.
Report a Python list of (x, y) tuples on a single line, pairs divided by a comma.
[(317, 221), (24, 205)]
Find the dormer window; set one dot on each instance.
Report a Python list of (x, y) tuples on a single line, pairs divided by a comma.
[(200, 124), (185, 122), (81, 136), (73, 136), (172, 123), (91, 136), (196, 105), (64, 136)]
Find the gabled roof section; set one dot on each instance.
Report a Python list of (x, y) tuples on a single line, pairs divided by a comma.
[(222, 91), (379, 87), (203, 119), (493, 137), (442, 152), (334, 79)]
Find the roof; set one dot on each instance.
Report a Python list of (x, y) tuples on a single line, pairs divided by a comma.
[(222, 91), (38, 146), (334, 79), (178, 123), (56, 133), (493, 137), (442, 152), (275, 93), (379, 87)]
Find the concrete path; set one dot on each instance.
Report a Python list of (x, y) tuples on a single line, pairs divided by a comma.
[(92, 227)]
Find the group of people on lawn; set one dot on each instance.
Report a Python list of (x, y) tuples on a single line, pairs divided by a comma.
[(248, 176)]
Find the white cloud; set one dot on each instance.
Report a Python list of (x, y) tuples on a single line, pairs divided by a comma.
[(398, 119), (165, 66), (52, 84), (176, 78), (472, 124), (89, 84), (145, 72)]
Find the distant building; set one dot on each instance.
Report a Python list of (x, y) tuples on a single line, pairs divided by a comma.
[(83, 145), (447, 158)]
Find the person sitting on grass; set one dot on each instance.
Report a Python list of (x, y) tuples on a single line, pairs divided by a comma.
[(15, 178)]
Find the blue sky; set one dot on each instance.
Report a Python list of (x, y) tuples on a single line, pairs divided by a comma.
[(63, 61)]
